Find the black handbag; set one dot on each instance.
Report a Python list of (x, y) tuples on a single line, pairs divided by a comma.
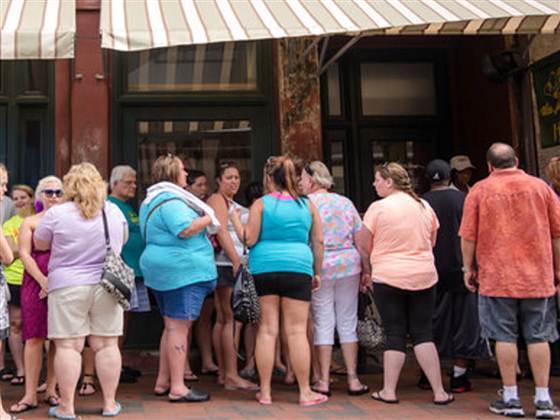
[(244, 300), (117, 278)]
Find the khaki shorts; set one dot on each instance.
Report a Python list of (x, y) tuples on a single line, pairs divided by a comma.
[(79, 311)]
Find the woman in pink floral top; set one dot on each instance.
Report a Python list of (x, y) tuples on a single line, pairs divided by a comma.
[(336, 302)]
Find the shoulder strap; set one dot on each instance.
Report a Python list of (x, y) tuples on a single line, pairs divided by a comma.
[(152, 211), (105, 227)]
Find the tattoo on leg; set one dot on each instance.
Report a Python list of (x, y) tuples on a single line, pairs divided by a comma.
[(181, 348)]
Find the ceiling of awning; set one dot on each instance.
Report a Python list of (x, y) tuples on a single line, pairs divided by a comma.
[(131, 25), (37, 29)]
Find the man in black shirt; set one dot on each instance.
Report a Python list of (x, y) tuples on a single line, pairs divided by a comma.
[(456, 324)]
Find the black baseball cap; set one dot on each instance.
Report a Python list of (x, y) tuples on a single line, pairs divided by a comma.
[(438, 170)]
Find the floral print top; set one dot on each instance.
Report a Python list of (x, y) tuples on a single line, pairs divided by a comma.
[(340, 221)]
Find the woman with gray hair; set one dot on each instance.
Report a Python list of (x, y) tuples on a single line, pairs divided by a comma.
[(336, 302)]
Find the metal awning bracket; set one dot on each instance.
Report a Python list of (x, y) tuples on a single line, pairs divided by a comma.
[(337, 55)]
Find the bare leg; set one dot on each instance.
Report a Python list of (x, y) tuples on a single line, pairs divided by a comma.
[(267, 333), (393, 362), (350, 354), (88, 372), (176, 349), (15, 340), (33, 354), (323, 355), (51, 374), (217, 340), (428, 358), (249, 337), (163, 378), (67, 362), (108, 363), (188, 370), (539, 358), (295, 314), (202, 330), (506, 354)]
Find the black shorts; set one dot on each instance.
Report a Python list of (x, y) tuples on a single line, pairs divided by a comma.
[(291, 285), (225, 276), (15, 294)]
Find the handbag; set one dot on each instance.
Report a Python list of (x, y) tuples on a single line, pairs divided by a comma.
[(370, 329), (117, 277), (244, 299)]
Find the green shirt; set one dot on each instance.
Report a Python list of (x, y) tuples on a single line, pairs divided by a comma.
[(134, 247), (14, 271)]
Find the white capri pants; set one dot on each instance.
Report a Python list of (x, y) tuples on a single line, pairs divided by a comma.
[(336, 303)]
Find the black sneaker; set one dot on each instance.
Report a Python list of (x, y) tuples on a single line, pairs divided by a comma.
[(546, 410), (460, 384), (127, 378), (131, 371), (511, 408)]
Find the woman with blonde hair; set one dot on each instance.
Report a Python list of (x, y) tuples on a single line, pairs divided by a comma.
[(287, 270), (22, 197), (33, 302), (396, 241), (336, 303), (78, 306)]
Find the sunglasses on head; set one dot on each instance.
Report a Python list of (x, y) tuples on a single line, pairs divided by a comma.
[(52, 193), (307, 168)]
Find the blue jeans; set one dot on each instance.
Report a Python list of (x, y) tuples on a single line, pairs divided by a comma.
[(185, 302)]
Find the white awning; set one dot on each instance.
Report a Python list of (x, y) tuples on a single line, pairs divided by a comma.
[(37, 29), (131, 25)]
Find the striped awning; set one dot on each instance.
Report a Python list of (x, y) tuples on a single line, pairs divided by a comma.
[(37, 29), (130, 25)]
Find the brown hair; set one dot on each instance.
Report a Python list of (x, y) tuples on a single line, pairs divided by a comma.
[(284, 176), (400, 177), (166, 168), (267, 171), (84, 186), (552, 172), (25, 188), (224, 166)]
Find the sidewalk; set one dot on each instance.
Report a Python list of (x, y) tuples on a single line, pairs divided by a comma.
[(140, 403)]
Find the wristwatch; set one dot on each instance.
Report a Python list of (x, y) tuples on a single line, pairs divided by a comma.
[(465, 270)]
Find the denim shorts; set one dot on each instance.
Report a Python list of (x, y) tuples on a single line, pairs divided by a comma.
[(502, 318), (185, 302)]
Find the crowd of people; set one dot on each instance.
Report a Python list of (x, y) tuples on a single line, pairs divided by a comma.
[(453, 271)]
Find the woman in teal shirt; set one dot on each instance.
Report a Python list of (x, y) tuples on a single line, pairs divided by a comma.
[(178, 265), (281, 227)]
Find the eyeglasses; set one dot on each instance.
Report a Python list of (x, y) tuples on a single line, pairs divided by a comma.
[(52, 193), (307, 168)]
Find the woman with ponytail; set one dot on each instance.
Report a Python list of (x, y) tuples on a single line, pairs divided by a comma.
[(397, 237), (286, 268)]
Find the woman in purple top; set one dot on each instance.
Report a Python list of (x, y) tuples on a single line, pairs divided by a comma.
[(33, 302), (79, 307), (336, 302)]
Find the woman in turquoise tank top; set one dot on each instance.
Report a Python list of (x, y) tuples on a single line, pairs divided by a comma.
[(286, 241)]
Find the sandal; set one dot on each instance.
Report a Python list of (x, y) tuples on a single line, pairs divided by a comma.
[(6, 374), (18, 380), (377, 397), (190, 377), (88, 386), (22, 407), (52, 400), (450, 398), (364, 389)]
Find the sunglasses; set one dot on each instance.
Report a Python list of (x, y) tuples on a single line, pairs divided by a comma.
[(52, 193), (307, 168)]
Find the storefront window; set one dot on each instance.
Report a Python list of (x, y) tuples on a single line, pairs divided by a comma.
[(202, 145), (36, 77), (200, 68), (397, 89)]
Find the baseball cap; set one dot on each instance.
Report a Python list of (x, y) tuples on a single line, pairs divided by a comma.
[(461, 162), (438, 170)]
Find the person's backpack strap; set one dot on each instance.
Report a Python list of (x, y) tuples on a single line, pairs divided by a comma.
[(152, 211)]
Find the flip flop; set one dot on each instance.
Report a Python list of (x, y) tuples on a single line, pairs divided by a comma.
[(53, 412), (115, 412), (377, 397), (356, 392), (52, 400), (250, 388), (263, 401), (25, 407), (6, 375), (18, 380), (190, 377), (211, 372), (328, 392), (319, 400), (450, 398), (162, 393)]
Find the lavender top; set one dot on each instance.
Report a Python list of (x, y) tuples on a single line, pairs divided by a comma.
[(78, 245)]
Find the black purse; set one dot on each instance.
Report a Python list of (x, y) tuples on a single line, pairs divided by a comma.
[(244, 300), (117, 278)]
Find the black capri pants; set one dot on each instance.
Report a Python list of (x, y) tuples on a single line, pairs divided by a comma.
[(405, 312)]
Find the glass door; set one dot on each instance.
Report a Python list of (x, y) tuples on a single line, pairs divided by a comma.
[(413, 149)]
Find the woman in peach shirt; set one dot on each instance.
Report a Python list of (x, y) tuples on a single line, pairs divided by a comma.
[(398, 234)]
